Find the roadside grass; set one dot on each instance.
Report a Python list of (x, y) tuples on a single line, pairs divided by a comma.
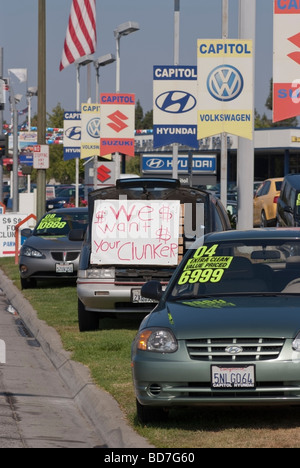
[(107, 354)]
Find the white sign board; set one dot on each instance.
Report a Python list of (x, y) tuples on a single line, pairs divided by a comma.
[(90, 130), (8, 224), (127, 232), (41, 157)]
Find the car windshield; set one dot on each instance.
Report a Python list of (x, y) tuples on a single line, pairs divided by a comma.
[(263, 267), (60, 224)]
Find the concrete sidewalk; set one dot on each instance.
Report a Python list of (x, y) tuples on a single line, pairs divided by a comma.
[(101, 409)]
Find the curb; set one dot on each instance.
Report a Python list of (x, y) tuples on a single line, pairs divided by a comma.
[(101, 408)]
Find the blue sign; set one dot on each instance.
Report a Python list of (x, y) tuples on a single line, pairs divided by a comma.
[(175, 106), (164, 164), (72, 135), (26, 159)]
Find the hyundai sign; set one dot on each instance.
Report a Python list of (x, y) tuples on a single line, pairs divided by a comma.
[(163, 164), (175, 106)]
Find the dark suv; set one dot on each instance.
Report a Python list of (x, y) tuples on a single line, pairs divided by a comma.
[(106, 286), (288, 205)]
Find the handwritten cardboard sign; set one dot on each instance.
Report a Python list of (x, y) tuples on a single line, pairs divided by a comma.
[(128, 232)]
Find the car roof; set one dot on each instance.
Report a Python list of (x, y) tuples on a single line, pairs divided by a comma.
[(69, 210), (253, 234), (294, 180)]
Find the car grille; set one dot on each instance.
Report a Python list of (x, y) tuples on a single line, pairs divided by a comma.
[(252, 349), (65, 256)]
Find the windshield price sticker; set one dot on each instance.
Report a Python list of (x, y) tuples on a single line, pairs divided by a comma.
[(50, 221), (205, 267)]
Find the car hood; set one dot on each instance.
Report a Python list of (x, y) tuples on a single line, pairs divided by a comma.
[(55, 242), (228, 317)]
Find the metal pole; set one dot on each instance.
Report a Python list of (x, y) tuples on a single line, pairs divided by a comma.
[(224, 150), (77, 159), (41, 173), (247, 30), (117, 157), (1, 126), (176, 62), (15, 179)]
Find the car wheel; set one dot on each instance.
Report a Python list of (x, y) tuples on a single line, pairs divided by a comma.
[(28, 283), (150, 414), (263, 220), (88, 321)]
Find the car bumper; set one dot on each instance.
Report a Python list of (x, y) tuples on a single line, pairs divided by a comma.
[(110, 297), (168, 380), (43, 268)]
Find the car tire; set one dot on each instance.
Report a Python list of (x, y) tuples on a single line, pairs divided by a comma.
[(88, 321), (28, 283), (263, 220), (150, 414)]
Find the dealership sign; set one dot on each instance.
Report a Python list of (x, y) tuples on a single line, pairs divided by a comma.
[(163, 164), (225, 87), (117, 124), (72, 135), (286, 64), (90, 130), (175, 106)]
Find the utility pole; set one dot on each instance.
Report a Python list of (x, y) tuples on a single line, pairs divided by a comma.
[(224, 149), (176, 63), (41, 173)]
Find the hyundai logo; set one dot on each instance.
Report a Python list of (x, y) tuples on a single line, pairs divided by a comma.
[(225, 83), (93, 128), (234, 350), (176, 102), (73, 133), (155, 163)]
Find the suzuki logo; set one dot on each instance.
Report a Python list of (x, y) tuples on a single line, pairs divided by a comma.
[(296, 41), (176, 102), (93, 128), (118, 121), (155, 163), (103, 174), (225, 83)]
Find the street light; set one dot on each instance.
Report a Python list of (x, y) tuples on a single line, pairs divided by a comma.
[(31, 92), (123, 30), (82, 62), (102, 62)]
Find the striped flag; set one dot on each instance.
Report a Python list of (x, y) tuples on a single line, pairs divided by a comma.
[(81, 37)]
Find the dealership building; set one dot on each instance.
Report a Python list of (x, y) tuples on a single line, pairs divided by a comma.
[(277, 153)]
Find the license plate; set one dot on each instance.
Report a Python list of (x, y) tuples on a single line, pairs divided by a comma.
[(232, 377), (64, 268), (137, 298)]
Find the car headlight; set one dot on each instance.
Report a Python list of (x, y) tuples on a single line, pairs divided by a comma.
[(296, 343), (30, 252), (97, 273), (158, 340)]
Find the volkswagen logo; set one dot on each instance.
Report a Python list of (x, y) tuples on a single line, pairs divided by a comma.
[(176, 102), (93, 128), (155, 163), (225, 83), (234, 350)]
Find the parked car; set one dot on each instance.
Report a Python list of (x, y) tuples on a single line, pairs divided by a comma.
[(64, 197), (48, 252), (288, 205), (226, 331), (122, 250), (265, 203)]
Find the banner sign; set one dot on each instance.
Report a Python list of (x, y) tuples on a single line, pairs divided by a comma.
[(127, 232), (117, 124), (163, 164), (72, 135), (286, 63), (225, 87), (90, 130), (175, 106)]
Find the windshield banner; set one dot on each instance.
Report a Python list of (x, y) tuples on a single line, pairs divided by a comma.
[(127, 232)]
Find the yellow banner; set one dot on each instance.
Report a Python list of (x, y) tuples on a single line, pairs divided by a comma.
[(238, 122)]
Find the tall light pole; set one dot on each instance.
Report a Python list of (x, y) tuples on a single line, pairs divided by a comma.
[(224, 149), (245, 158), (122, 30), (176, 63), (41, 139)]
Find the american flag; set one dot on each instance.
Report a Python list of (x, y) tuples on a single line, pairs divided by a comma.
[(81, 37)]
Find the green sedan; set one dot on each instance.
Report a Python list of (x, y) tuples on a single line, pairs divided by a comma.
[(227, 329)]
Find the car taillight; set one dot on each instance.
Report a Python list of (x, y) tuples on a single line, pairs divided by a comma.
[(275, 200)]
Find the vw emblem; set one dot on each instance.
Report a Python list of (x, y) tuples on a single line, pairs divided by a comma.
[(155, 163), (176, 102), (93, 128), (225, 83), (234, 350)]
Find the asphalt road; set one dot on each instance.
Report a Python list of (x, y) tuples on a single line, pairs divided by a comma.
[(36, 409)]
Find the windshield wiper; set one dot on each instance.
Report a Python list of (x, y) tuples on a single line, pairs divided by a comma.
[(231, 294)]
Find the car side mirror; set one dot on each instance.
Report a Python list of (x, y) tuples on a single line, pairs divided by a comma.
[(76, 235), (26, 233), (152, 290)]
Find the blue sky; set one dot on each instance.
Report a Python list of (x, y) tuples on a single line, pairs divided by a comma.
[(152, 45)]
